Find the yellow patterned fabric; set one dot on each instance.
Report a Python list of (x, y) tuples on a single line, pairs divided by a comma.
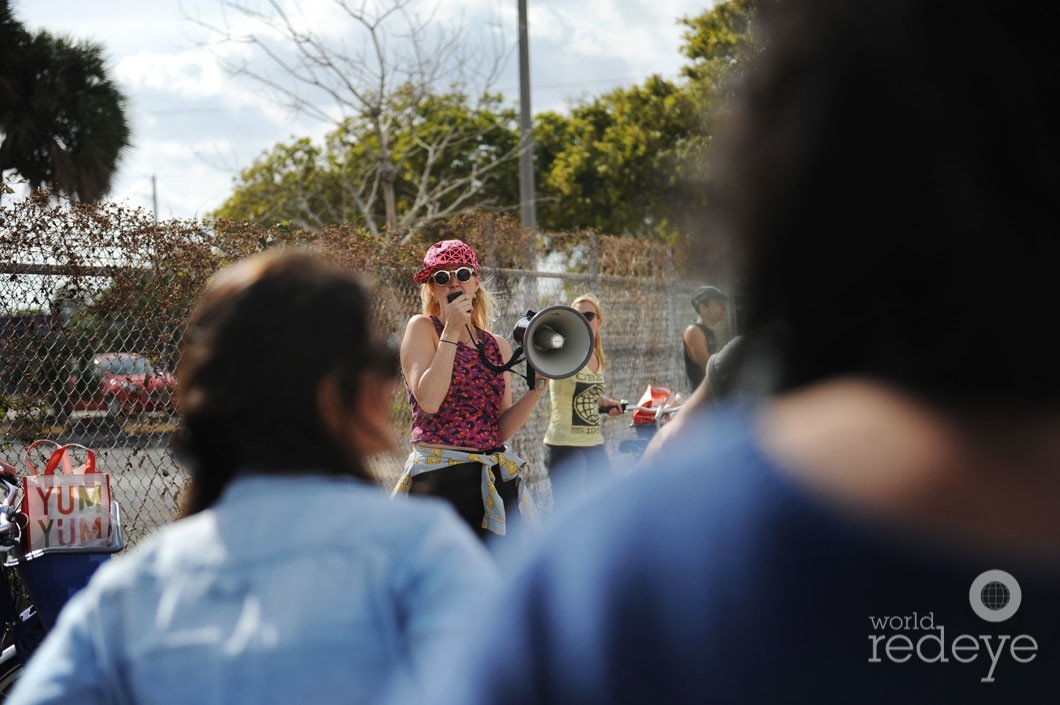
[(510, 466), (574, 410)]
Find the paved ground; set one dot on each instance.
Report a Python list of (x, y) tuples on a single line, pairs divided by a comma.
[(146, 479)]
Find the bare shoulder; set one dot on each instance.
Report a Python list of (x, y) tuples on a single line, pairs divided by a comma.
[(419, 332), (879, 451), (421, 319), (420, 322)]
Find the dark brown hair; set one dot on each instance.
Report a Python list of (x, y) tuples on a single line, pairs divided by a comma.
[(262, 337), (883, 170)]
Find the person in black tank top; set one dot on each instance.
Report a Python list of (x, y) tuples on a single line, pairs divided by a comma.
[(699, 339)]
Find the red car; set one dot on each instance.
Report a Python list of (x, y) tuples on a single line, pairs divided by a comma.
[(119, 384)]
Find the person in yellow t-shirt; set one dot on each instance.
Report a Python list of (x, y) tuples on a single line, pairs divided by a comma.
[(574, 443)]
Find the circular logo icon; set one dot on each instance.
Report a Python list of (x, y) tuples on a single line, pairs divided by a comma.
[(995, 595)]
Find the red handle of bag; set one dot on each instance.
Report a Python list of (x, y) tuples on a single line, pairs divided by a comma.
[(653, 397), (30, 467), (62, 455)]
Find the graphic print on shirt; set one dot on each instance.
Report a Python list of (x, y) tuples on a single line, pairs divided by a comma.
[(585, 411)]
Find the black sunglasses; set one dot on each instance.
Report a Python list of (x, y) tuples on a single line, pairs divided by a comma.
[(589, 315), (442, 277)]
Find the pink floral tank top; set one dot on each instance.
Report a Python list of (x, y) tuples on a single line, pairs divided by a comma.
[(469, 414)]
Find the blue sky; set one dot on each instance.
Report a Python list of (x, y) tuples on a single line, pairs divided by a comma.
[(195, 127)]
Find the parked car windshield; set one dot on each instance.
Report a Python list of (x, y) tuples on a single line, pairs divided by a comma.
[(126, 366)]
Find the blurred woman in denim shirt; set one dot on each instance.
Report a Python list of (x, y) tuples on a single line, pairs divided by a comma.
[(291, 577)]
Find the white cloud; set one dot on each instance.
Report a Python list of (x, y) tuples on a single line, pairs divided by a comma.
[(190, 74), (637, 33)]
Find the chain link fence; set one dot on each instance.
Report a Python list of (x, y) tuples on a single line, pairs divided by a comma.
[(93, 303)]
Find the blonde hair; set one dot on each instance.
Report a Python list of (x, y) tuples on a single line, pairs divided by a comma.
[(598, 346), (481, 305)]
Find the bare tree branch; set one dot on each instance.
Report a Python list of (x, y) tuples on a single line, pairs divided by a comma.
[(373, 64)]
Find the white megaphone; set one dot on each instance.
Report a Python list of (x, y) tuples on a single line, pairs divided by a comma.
[(557, 341)]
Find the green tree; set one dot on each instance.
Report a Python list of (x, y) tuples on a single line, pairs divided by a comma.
[(610, 166), (445, 157), (392, 161), (62, 120), (287, 185), (720, 44), (631, 162)]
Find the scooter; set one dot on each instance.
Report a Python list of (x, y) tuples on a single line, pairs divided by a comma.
[(50, 577), (655, 407)]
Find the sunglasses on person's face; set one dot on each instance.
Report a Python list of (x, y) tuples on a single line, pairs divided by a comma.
[(589, 315), (442, 277)]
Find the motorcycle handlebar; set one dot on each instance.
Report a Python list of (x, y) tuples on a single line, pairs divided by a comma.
[(12, 488), (10, 531), (657, 410)]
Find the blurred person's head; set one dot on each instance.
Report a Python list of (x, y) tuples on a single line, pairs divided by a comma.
[(709, 304), (590, 307), (450, 257), (281, 371), (891, 171)]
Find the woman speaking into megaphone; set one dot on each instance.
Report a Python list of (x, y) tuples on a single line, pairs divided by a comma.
[(462, 411)]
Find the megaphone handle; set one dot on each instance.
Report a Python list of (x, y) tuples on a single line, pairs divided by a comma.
[(498, 369), (531, 376)]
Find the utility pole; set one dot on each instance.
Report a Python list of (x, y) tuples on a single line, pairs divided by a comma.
[(154, 195), (527, 198)]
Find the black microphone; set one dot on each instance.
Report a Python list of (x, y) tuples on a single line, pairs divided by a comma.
[(453, 296)]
